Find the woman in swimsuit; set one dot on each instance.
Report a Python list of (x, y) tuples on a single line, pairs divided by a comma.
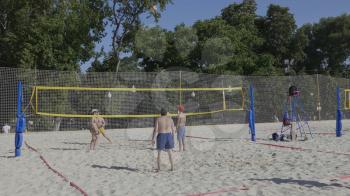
[(97, 127)]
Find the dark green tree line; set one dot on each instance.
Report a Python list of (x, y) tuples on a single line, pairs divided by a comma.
[(50, 34)]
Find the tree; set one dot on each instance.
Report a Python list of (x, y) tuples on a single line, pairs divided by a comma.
[(297, 53), (125, 21), (216, 53), (185, 40), (50, 34), (329, 47), (241, 15), (128, 64), (278, 29), (213, 29), (246, 39), (159, 49), (151, 43)]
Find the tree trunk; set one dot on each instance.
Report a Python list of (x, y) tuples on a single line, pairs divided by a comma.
[(118, 64), (116, 72)]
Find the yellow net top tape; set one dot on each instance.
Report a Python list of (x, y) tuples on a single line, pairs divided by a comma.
[(134, 89)]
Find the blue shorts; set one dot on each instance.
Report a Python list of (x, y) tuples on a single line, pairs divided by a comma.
[(165, 141), (181, 133)]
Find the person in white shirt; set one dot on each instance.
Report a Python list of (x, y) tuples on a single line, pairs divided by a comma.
[(6, 128)]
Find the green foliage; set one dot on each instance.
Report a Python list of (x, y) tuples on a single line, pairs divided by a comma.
[(61, 35), (238, 53), (185, 40), (151, 42), (128, 64), (265, 65), (241, 15), (216, 27), (329, 47), (50, 34), (278, 29), (217, 52), (125, 20)]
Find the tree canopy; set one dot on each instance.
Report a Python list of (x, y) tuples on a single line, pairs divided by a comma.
[(50, 34), (62, 35)]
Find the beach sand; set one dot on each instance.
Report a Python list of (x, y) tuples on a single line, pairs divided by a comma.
[(220, 160)]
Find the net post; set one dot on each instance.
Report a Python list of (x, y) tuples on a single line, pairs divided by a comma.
[(223, 96), (252, 114), (223, 100), (36, 100), (338, 130), (21, 121), (180, 84)]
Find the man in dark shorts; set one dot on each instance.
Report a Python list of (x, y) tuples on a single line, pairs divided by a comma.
[(164, 130)]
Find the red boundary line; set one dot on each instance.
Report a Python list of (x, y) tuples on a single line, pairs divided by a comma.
[(220, 191), (55, 171), (207, 138), (344, 177), (198, 137), (302, 149), (72, 184), (219, 138)]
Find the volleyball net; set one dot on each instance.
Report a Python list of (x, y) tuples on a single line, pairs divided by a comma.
[(60, 100), (56, 100), (134, 102)]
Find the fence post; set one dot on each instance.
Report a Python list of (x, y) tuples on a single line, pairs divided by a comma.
[(21, 121), (338, 130), (252, 114)]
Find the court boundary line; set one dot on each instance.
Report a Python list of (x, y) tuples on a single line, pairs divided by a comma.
[(302, 149), (72, 184)]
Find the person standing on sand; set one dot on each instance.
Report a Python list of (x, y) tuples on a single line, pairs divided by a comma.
[(101, 128), (164, 131), (180, 127), (97, 127)]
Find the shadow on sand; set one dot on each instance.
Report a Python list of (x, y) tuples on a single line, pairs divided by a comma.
[(65, 149), (135, 140), (214, 139), (7, 157), (115, 167), (305, 183), (76, 143)]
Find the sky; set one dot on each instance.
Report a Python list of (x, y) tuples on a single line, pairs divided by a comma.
[(190, 11)]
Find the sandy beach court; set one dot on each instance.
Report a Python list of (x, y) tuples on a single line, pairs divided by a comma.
[(220, 160)]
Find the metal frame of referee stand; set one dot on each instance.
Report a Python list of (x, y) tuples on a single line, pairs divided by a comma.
[(294, 111)]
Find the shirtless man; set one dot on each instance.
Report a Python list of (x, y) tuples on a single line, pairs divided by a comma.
[(97, 123), (165, 128), (180, 127)]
